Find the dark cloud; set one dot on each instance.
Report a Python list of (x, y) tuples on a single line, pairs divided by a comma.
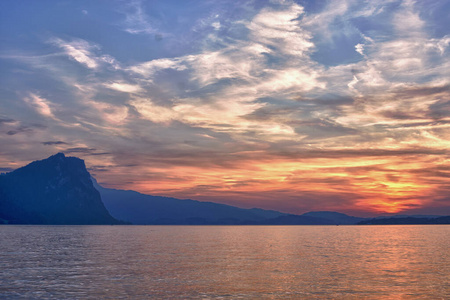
[(23, 129), (431, 125), (399, 115), (54, 143), (242, 156), (318, 153), (327, 100), (80, 150), (422, 91), (101, 153), (318, 129), (84, 151), (270, 113), (6, 120), (406, 103), (298, 178), (95, 169), (440, 109)]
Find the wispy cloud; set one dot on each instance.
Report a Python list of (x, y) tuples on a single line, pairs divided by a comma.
[(79, 50), (39, 104), (150, 68), (84, 53), (136, 20), (124, 87), (280, 29), (152, 112)]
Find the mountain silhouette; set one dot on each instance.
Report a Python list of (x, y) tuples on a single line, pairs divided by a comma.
[(56, 190), (408, 220), (138, 208), (335, 217), (142, 209)]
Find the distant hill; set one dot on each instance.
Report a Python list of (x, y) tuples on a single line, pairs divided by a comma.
[(138, 208), (143, 209), (406, 221), (56, 190), (294, 220), (335, 217), (408, 216)]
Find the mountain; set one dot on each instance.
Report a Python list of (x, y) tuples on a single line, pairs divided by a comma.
[(294, 220), (408, 216), (138, 208), (313, 218), (406, 220), (56, 190), (335, 217)]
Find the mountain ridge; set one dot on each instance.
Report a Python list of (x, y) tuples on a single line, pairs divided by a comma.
[(143, 209), (56, 190), (402, 220)]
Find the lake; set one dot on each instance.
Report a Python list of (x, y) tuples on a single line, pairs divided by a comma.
[(225, 262)]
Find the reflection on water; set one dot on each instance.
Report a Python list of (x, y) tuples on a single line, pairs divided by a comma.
[(265, 262)]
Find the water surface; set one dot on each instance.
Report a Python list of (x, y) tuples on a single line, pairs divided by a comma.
[(225, 262)]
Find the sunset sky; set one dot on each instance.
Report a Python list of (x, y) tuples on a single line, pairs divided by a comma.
[(287, 105)]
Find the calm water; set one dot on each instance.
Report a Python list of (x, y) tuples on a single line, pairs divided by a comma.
[(225, 262)]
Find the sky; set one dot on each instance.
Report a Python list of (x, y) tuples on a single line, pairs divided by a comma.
[(294, 106)]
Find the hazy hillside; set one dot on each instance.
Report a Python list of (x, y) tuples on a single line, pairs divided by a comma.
[(407, 221), (335, 217), (138, 208)]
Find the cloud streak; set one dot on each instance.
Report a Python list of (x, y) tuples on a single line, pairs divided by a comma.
[(41, 105)]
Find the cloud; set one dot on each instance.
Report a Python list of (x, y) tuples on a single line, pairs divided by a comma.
[(85, 53), (79, 50), (51, 143), (40, 104), (4, 120), (13, 132), (216, 25), (148, 69), (359, 48), (124, 87), (17, 127), (407, 20), (246, 65), (84, 151), (280, 29), (114, 114), (136, 20), (152, 112)]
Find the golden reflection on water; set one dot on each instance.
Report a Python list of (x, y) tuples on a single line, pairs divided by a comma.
[(226, 262)]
